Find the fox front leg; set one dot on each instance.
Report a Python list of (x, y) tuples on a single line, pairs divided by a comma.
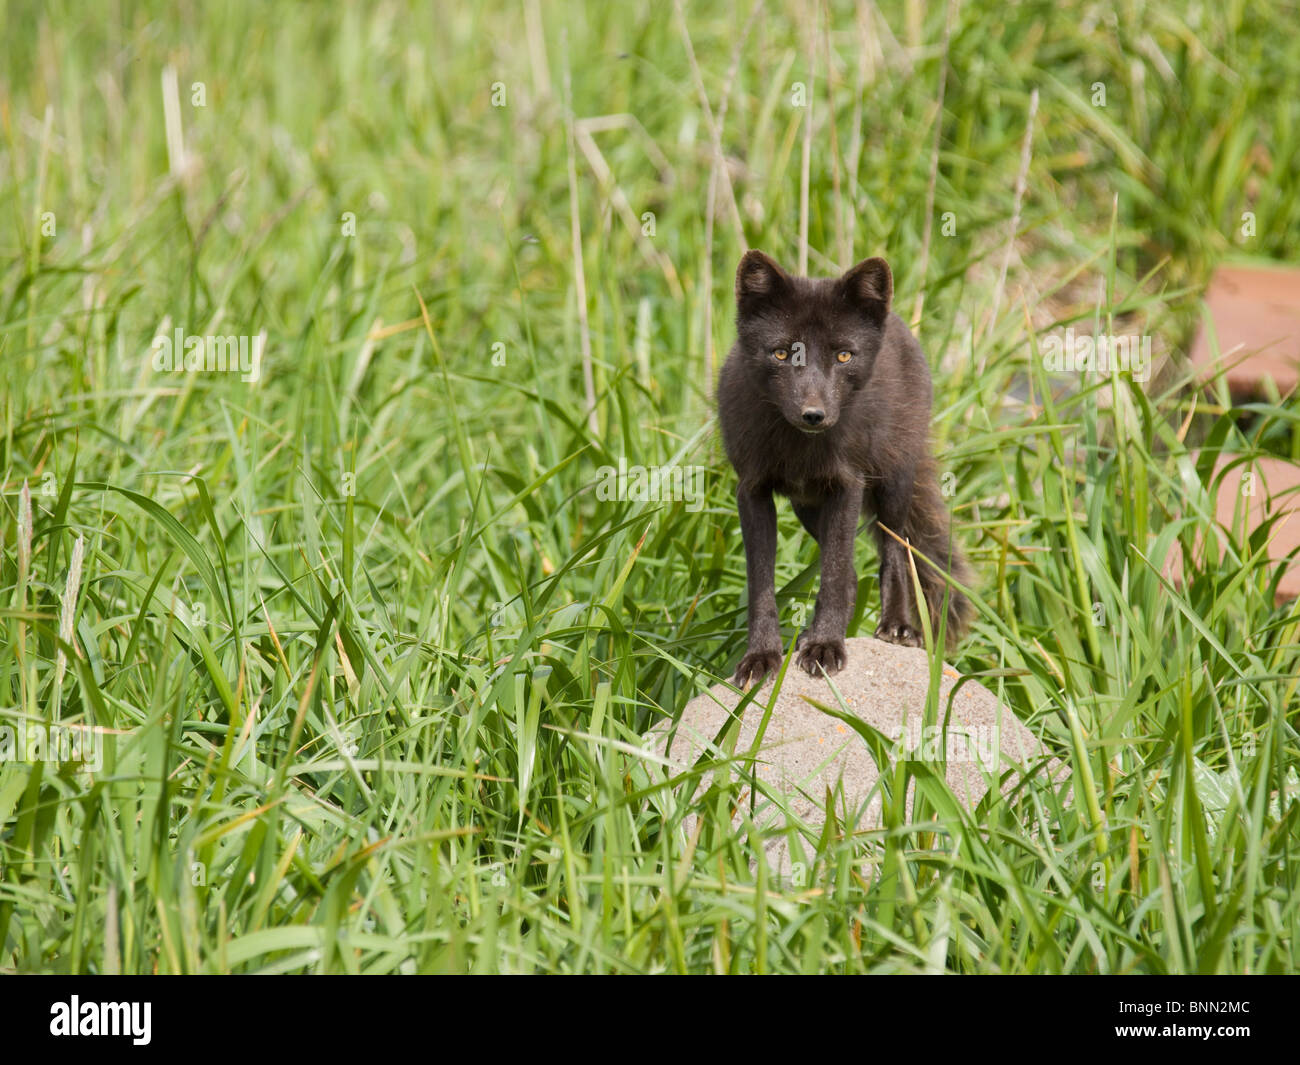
[(758, 527), (821, 649)]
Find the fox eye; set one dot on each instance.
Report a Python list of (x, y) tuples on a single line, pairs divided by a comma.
[(780, 354), (844, 356)]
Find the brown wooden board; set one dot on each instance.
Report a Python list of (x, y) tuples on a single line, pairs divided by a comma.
[(1255, 315), (1274, 488)]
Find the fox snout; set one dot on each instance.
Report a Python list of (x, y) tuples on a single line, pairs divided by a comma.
[(813, 417), (811, 408)]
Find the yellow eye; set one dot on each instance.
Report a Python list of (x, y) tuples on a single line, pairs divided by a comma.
[(781, 354), (844, 356)]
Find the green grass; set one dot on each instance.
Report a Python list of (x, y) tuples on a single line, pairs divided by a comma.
[(371, 660)]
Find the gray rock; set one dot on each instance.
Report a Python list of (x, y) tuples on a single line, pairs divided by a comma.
[(804, 750)]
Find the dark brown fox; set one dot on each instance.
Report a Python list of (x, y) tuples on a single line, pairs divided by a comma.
[(825, 398)]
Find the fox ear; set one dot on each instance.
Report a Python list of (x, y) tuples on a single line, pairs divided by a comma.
[(758, 278), (870, 285)]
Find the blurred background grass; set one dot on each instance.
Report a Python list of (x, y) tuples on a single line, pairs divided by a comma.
[(373, 661)]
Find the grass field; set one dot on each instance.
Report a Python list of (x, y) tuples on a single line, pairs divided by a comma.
[(366, 659)]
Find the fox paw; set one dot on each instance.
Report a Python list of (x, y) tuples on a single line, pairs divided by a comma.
[(755, 666), (899, 632), (817, 655)]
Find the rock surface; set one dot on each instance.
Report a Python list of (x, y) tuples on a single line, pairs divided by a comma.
[(804, 750)]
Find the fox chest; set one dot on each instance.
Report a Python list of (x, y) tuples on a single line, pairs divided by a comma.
[(809, 474)]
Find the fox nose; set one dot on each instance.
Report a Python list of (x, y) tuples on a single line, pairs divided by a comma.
[(813, 416)]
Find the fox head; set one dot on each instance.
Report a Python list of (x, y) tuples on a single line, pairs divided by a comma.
[(811, 342)]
